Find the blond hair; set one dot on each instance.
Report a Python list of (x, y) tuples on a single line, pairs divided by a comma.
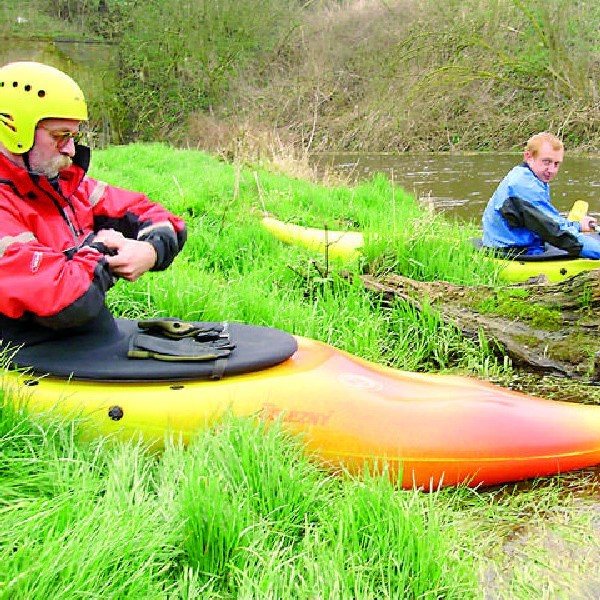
[(535, 142)]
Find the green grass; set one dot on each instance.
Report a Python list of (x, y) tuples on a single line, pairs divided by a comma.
[(244, 511), (232, 269)]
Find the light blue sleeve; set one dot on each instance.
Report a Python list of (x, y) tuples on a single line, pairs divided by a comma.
[(591, 246)]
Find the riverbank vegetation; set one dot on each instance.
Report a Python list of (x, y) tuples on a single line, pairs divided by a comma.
[(243, 512), (360, 75), (250, 80)]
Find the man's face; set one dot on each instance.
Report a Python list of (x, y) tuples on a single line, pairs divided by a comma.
[(546, 163), (53, 146)]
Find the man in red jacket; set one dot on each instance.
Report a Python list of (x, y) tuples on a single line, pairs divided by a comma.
[(64, 237)]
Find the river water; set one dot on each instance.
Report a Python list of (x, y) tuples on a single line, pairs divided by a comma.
[(461, 184)]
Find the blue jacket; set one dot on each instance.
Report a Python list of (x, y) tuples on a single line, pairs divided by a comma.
[(520, 216)]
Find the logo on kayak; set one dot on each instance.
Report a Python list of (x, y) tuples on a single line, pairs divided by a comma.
[(360, 381), (304, 417)]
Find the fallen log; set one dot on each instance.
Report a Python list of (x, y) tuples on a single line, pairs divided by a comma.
[(548, 327)]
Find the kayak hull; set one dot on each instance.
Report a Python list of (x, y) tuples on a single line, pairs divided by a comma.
[(516, 271), (344, 245), (428, 430)]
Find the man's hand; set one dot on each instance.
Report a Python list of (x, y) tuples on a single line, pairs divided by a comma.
[(133, 257), (589, 223), (109, 237)]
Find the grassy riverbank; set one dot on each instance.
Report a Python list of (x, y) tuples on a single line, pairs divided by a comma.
[(233, 269), (242, 512)]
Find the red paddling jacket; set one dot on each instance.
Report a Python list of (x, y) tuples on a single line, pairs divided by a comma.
[(53, 277)]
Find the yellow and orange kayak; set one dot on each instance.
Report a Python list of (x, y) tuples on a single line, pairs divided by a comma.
[(431, 430), (347, 245)]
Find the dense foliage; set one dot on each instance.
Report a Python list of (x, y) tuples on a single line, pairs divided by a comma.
[(338, 75)]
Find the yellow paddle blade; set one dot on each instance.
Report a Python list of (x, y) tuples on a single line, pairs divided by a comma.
[(578, 210)]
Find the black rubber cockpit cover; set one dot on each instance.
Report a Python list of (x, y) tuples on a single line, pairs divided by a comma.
[(103, 356)]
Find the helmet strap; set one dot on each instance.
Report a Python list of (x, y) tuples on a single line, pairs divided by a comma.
[(26, 160)]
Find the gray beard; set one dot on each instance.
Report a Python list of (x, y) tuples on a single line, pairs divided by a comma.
[(53, 167)]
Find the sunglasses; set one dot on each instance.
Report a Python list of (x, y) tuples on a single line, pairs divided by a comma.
[(62, 137)]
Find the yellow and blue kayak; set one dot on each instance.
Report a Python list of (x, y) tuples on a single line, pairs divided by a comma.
[(348, 246), (515, 271), (431, 430)]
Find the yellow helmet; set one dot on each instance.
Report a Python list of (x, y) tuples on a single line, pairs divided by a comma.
[(30, 92)]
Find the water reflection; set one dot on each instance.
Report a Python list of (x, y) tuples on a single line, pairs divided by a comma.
[(461, 185)]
